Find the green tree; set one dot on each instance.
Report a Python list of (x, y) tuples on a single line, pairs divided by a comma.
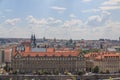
[(40, 72), (6, 68), (55, 72), (101, 72), (80, 72), (96, 69), (119, 71), (107, 71)]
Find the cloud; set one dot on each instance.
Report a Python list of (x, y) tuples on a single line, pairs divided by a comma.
[(73, 23), (105, 6), (101, 9), (15, 32), (106, 13), (86, 0), (110, 30), (2, 16), (53, 22), (72, 16), (43, 21), (109, 7), (33, 20), (111, 2), (8, 10), (1, 12), (12, 21), (64, 29), (58, 9), (94, 20), (90, 10), (98, 20)]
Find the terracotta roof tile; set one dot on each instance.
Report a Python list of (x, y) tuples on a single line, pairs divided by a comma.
[(100, 55), (50, 54)]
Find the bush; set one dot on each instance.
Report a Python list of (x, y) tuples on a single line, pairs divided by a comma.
[(119, 71), (80, 73), (107, 71), (101, 72), (95, 69)]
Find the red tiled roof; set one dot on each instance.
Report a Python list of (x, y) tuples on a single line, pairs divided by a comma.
[(87, 55), (50, 54), (99, 57), (111, 55)]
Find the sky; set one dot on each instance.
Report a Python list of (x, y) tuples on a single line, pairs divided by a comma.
[(60, 19)]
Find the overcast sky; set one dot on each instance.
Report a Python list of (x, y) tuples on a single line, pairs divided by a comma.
[(62, 19)]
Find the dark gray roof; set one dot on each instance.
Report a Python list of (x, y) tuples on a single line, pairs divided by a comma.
[(38, 49)]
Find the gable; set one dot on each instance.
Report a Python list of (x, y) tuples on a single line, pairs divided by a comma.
[(17, 55)]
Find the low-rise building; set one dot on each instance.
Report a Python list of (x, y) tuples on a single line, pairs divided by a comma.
[(30, 59), (106, 61), (50, 61), (1, 56)]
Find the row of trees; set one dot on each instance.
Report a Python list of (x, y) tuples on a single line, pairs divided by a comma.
[(88, 51), (56, 72), (41, 72), (96, 70)]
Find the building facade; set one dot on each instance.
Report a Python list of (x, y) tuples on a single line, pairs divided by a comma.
[(27, 59), (7, 54), (106, 61), (52, 64), (1, 56)]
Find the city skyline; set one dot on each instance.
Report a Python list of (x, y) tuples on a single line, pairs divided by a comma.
[(76, 19)]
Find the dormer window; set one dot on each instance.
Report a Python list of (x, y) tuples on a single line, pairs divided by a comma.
[(37, 55), (28, 55), (45, 55), (69, 55), (61, 55), (53, 55), (18, 55)]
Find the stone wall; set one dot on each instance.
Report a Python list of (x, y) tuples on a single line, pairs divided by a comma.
[(35, 77), (57, 77)]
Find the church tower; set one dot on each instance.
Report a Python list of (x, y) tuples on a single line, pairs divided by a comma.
[(33, 41)]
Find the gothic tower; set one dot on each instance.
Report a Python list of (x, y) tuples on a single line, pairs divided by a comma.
[(119, 38), (33, 41)]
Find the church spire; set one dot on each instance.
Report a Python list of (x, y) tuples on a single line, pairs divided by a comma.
[(34, 38), (33, 41), (31, 37)]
